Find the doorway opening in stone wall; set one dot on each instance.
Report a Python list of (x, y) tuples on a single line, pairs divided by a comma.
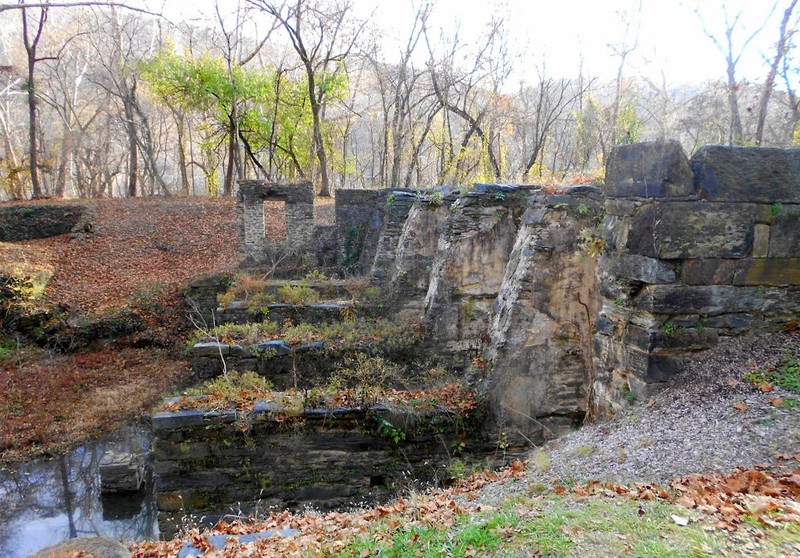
[(275, 220)]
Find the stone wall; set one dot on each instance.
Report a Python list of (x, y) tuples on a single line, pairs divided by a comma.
[(300, 233), (560, 305), (694, 250), (325, 458), (25, 222)]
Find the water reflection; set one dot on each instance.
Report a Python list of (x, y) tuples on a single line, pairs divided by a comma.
[(45, 502)]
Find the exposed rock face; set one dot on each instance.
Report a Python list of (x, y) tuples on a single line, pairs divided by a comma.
[(685, 253), (467, 274), (540, 351), (416, 250), (328, 458)]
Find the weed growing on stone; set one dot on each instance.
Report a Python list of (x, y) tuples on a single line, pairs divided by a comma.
[(669, 328), (590, 242), (541, 461), (297, 294)]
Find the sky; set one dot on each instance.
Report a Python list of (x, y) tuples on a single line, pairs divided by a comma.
[(564, 34)]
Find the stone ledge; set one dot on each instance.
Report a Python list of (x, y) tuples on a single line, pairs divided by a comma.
[(770, 272)]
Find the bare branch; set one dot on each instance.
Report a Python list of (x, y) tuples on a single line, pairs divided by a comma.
[(43, 5)]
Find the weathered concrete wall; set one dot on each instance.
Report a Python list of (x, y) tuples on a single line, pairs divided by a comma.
[(694, 250)]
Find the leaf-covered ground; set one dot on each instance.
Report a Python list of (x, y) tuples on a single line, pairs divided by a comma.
[(743, 513), (51, 402), (139, 254), (138, 246)]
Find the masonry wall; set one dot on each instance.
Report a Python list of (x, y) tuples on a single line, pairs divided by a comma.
[(279, 458), (300, 229), (694, 250), (575, 302), (25, 222)]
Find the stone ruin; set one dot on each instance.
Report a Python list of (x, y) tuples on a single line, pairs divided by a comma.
[(563, 304), (555, 306)]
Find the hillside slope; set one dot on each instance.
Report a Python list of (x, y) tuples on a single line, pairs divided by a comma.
[(138, 255)]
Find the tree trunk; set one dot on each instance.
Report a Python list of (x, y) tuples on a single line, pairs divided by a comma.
[(769, 83), (133, 149), (31, 45), (227, 187), (182, 156), (322, 157)]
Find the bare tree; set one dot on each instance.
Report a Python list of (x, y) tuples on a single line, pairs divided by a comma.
[(540, 108), (781, 48), (32, 27), (118, 43), (469, 94), (732, 54), (320, 35)]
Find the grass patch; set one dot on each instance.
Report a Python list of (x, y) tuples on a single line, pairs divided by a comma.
[(361, 333), (552, 526), (541, 461), (8, 347), (786, 375)]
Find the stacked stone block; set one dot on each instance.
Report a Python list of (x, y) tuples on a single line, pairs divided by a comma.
[(694, 250), (300, 233)]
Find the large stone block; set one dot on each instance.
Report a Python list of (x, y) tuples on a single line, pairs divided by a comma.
[(747, 174), (770, 272), (649, 170), (681, 230), (784, 238), (666, 339), (652, 367), (639, 268), (707, 299)]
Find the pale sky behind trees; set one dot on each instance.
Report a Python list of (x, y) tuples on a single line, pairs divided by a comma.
[(565, 33)]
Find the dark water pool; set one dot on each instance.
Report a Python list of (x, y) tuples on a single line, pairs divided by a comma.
[(47, 501)]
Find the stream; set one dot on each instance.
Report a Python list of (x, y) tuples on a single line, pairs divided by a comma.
[(44, 502)]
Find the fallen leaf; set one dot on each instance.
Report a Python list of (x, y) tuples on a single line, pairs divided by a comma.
[(741, 406)]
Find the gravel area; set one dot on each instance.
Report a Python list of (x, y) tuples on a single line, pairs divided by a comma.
[(708, 419)]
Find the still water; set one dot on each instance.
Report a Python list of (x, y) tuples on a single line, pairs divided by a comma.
[(47, 501)]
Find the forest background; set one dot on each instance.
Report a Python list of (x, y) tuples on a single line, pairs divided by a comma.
[(105, 99)]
